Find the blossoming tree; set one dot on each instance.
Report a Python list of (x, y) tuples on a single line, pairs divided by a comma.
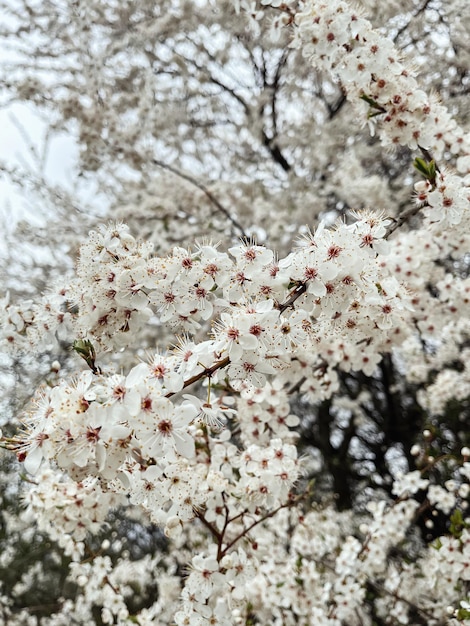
[(335, 365)]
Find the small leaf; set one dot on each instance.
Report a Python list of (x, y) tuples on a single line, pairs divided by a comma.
[(370, 101), (373, 104), (85, 349), (457, 524), (426, 169)]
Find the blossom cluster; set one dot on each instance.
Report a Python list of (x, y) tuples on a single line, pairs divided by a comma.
[(67, 510), (335, 37), (265, 307), (278, 318), (200, 438), (323, 569), (30, 326), (333, 302)]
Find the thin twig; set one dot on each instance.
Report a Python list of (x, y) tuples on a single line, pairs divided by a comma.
[(262, 519), (207, 372), (402, 218), (204, 189), (421, 9)]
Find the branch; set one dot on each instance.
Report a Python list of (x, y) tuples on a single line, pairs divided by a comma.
[(206, 70), (208, 371), (380, 587), (219, 206), (273, 148), (218, 535), (334, 108), (275, 86), (421, 9), (275, 152), (401, 219), (295, 294), (289, 503)]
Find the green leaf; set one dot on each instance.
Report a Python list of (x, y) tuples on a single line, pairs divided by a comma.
[(457, 524), (426, 169), (85, 349), (437, 545), (372, 103)]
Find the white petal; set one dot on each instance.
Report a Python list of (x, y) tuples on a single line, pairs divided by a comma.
[(185, 445), (33, 460)]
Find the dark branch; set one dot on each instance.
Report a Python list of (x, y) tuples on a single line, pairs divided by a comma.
[(208, 193)]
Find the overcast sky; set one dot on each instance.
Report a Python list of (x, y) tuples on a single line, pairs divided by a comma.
[(22, 143)]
